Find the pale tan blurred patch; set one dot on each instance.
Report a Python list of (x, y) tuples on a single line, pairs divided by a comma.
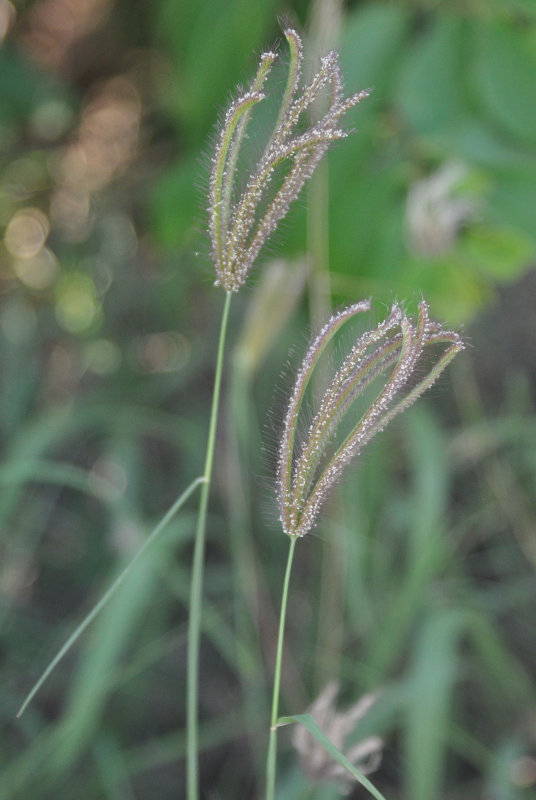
[(26, 233), (105, 144), (7, 18), (164, 351), (273, 301), (53, 27), (523, 772), (366, 754)]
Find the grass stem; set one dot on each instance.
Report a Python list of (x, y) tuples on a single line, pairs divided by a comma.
[(272, 746), (196, 587)]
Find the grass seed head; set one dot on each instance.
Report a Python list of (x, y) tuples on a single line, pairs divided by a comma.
[(392, 354), (238, 228)]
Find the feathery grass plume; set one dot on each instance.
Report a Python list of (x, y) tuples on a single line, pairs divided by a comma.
[(393, 351), (238, 228)]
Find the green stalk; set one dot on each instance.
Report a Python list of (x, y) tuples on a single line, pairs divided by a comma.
[(272, 746), (196, 587)]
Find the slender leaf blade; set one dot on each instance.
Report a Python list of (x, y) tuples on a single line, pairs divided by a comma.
[(308, 722)]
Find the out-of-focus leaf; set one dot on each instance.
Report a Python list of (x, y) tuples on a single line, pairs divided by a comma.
[(511, 684), (432, 676), (366, 199), (503, 253), (504, 77), (426, 447), (207, 44), (23, 88), (525, 7), (476, 141), (430, 90), (361, 190), (513, 201), (175, 203), (451, 284), (91, 685), (371, 38)]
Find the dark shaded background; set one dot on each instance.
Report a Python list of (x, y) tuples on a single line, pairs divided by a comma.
[(420, 582)]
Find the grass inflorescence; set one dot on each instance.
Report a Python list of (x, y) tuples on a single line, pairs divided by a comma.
[(394, 348), (238, 229)]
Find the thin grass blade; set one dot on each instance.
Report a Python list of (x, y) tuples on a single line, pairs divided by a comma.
[(308, 722), (107, 596)]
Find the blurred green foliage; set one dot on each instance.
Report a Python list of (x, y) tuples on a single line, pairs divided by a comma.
[(448, 88), (421, 581)]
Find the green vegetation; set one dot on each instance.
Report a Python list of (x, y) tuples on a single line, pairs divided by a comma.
[(418, 584)]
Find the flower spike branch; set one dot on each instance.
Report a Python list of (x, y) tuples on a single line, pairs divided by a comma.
[(238, 228)]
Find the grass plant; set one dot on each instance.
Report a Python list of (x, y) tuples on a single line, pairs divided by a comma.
[(239, 227), (391, 354)]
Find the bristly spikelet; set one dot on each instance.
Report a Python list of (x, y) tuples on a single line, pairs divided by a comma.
[(238, 229), (394, 349)]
